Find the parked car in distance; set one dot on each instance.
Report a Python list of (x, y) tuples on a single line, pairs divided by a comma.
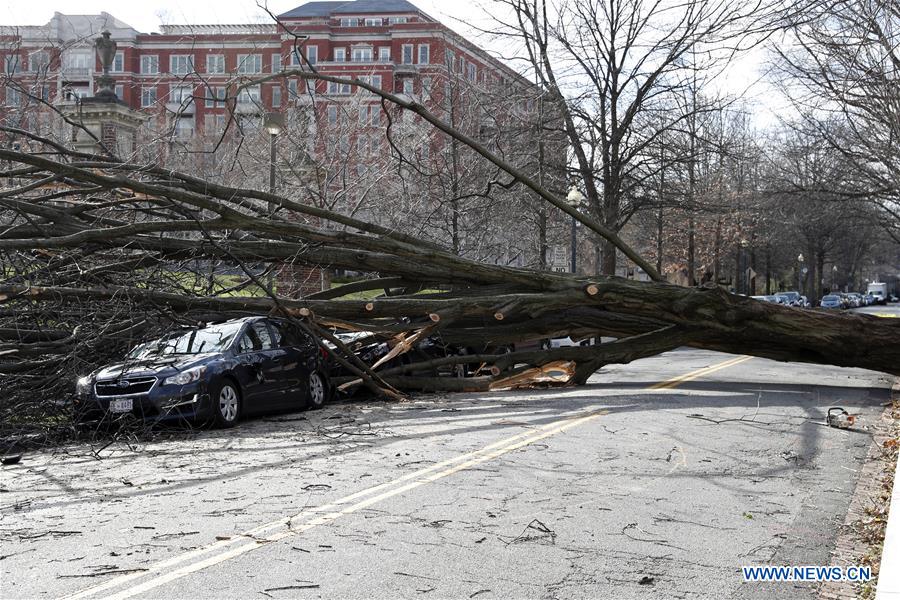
[(856, 300), (789, 298), (831, 301), (216, 374)]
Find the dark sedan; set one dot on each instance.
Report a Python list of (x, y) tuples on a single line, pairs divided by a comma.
[(215, 374)]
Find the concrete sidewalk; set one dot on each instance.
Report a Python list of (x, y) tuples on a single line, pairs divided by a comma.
[(889, 573)]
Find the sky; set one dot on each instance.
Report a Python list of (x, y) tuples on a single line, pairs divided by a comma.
[(463, 16)]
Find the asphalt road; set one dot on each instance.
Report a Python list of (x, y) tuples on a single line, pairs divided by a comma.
[(624, 488)]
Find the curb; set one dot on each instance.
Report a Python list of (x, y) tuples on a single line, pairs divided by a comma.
[(889, 577)]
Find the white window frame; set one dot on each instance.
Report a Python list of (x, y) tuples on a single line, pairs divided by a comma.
[(312, 54), (181, 69), (384, 54), (118, 64), (148, 91), (276, 96), (181, 94), (276, 62), (119, 90), (14, 96), (150, 64), (349, 21), (340, 55), (397, 20), (407, 54), (215, 97), (331, 114), (35, 66), (215, 63), (248, 64), (374, 22), (250, 96), (362, 54), (424, 53), (408, 88)]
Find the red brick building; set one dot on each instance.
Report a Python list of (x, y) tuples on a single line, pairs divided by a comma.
[(188, 71)]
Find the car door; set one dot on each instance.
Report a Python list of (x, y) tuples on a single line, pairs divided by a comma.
[(297, 353), (259, 368)]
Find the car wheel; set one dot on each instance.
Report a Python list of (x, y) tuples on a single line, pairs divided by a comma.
[(226, 404), (318, 391)]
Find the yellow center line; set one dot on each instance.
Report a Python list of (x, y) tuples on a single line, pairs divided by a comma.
[(223, 550), (676, 381)]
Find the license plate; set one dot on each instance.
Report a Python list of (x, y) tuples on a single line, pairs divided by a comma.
[(121, 405)]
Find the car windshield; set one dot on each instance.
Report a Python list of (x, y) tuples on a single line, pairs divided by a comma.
[(210, 339), (831, 299), (789, 295)]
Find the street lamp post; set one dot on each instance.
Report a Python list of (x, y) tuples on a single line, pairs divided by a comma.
[(833, 274), (800, 274), (743, 266), (274, 124), (575, 198)]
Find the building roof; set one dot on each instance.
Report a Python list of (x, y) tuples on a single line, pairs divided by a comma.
[(324, 9)]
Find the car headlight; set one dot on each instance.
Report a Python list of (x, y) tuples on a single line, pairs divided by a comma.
[(83, 385), (185, 377)]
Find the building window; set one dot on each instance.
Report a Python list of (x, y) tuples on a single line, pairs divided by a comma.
[(120, 91), (338, 88), (424, 54), (276, 63), (311, 86), (181, 95), (11, 64), (249, 63), (292, 88), (118, 65), (249, 95), (13, 96), (181, 64), (384, 54), (332, 113), (184, 127), (362, 55), (312, 54), (340, 54), (349, 22), (472, 73), (150, 64), (374, 22), (407, 54), (426, 88), (148, 97), (408, 86), (215, 97), (214, 124), (39, 61), (276, 96), (345, 143), (395, 20), (370, 115), (78, 61), (215, 63)]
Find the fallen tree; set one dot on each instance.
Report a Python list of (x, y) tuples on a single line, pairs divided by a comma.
[(99, 253)]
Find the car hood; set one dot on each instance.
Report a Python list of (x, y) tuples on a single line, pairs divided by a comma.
[(154, 365)]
